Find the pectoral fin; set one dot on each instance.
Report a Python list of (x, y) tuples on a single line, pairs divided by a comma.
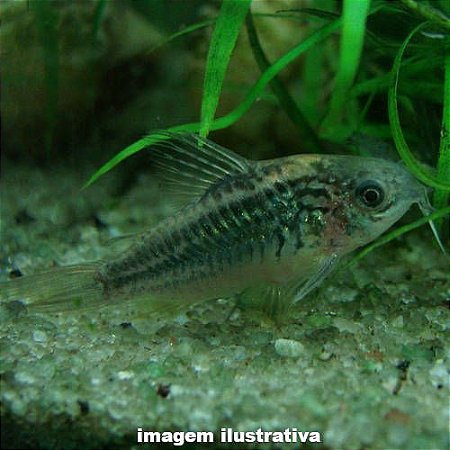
[(276, 300), (325, 269)]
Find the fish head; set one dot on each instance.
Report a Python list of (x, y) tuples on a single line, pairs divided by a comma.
[(368, 196)]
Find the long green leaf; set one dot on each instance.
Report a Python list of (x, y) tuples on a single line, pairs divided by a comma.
[(354, 15), (234, 115), (443, 167), (137, 146), (400, 142), (223, 41)]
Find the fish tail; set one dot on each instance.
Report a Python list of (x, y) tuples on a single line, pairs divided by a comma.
[(71, 288)]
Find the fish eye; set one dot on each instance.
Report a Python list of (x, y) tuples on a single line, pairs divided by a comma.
[(370, 194)]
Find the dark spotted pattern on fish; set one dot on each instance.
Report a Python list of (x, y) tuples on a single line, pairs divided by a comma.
[(247, 221)]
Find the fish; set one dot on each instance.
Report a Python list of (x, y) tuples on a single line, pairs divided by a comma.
[(268, 232)]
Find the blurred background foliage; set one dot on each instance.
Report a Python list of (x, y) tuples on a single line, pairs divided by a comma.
[(86, 80)]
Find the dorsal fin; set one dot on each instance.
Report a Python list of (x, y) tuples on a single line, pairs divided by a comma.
[(188, 164)]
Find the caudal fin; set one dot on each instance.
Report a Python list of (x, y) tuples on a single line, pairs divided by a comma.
[(72, 288)]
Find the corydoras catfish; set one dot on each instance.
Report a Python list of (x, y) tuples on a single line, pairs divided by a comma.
[(269, 230)]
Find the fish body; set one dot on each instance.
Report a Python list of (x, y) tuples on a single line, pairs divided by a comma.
[(249, 225), (247, 229)]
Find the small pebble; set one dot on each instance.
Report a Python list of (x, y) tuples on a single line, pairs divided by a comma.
[(125, 375), (39, 336), (439, 374), (289, 348), (325, 356), (346, 325), (398, 322)]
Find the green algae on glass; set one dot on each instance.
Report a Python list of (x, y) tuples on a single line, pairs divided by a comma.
[(226, 32)]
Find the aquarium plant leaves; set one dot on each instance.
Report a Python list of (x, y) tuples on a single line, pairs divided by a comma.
[(400, 142), (235, 114), (308, 136), (354, 17), (429, 12), (443, 167), (223, 41), (137, 146), (272, 71)]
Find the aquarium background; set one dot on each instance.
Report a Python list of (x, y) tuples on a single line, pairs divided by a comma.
[(85, 84)]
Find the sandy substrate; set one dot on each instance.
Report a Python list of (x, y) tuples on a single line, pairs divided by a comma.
[(365, 360)]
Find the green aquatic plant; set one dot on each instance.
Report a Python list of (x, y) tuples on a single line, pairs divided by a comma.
[(356, 85), (223, 40), (293, 111), (440, 182), (354, 17), (233, 116), (441, 197), (407, 156)]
